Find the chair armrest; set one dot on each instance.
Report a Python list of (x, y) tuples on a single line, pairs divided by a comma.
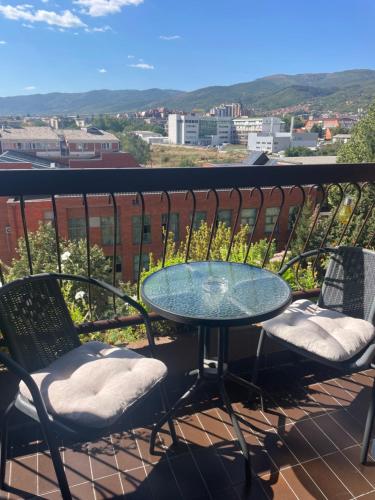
[(25, 376), (116, 292), (304, 255)]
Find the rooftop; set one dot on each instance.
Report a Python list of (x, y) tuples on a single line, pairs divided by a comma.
[(20, 157), (29, 133), (87, 135)]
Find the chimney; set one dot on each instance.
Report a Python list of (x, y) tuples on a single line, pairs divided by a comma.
[(291, 126)]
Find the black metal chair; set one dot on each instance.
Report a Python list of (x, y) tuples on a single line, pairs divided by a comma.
[(38, 329), (349, 289)]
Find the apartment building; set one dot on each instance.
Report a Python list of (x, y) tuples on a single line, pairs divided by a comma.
[(46, 142), (232, 110), (242, 127), (280, 141), (200, 130)]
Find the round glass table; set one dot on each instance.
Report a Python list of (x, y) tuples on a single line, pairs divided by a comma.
[(216, 295)]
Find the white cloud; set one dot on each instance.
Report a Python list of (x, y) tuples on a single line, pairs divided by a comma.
[(102, 70), (45, 1), (142, 66), (29, 26), (97, 8), (169, 37), (25, 12), (131, 57), (101, 29), (30, 87), (3, 42)]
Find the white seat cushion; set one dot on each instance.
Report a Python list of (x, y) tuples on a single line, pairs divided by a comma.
[(95, 383), (328, 334)]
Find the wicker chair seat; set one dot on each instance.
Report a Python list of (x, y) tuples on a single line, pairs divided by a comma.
[(323, 332), (94, 384)]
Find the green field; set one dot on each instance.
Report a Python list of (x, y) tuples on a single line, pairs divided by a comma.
[(185, 156)]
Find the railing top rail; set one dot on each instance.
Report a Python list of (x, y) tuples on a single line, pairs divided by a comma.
[(65, 181)]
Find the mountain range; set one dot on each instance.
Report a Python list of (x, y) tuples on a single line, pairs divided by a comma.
[(339, 91)]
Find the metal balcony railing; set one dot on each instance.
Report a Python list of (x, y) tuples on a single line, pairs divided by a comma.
[(159, 191)]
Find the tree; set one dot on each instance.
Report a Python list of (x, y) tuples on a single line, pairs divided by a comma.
[(318, 129), (361, 149), (73, 261), (136, 147), (299, 151)]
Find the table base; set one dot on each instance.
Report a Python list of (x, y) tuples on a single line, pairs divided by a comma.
[(214, 371)]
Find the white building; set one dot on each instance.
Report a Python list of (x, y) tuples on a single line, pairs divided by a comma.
[(280, 141), (243, 126), (41, 141), (201, 130)]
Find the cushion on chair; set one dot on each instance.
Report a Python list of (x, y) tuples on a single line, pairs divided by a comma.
[(323, 332), (95, 383)]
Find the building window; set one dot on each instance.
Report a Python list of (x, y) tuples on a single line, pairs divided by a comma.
[(107, 230), (225, 216), (137, 227), (77, 228), (272, 214), (118, 264), (292, 216), (145, 262), (199, 217), (48, 216), (106, 146), (174, 224), (248, 217)]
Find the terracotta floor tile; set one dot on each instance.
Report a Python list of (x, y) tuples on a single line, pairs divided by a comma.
[(336, 433), (234, 464), (350, 424), (212, 469), (102, 458), (162, 482), (188, 477), (349, 475), (255, 493), (216, 430), (343, 397), (326, 401), (192, 431), (288, 404), (315, 437), (369, 496), (47, 480), (135, 484), (77, 464), (276, 487), (326, 480), (23, 475), (302, 484), (126, 450), (351, 386), (108, 487), (367, 470), (297, 443), (278, 450), (79, 492), (142, 436)]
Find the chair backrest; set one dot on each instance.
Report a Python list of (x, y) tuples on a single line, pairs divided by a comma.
[(349, 283), (35, 321)]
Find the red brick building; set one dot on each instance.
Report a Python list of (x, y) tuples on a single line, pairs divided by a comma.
[(71, 221)]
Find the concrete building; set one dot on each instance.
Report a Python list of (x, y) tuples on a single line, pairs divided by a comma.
[(41, 141), (243, 126), (151, 137), (341, 138), (232, 110), (280, 141), (46, 142), (200, 130)]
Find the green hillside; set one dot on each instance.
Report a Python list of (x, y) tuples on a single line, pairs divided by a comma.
[(340, 91)]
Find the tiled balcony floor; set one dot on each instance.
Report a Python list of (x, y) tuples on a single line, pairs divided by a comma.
[(306, 445)]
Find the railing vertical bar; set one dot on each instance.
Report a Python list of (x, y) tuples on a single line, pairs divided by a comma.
[(214, 222), (322, 243), (367, 216), (276, 221), (295, 225), (56, 228), (357, 187), (141, 197), (88, 248), (236, 219), (259, 210), (26, 234), (2, 277), (192, 222), (114, 247), (166, 235)]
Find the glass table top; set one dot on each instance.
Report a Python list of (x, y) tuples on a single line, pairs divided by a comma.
[(216, 293)]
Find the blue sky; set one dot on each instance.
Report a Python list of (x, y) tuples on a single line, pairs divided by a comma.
[(78, 45)]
